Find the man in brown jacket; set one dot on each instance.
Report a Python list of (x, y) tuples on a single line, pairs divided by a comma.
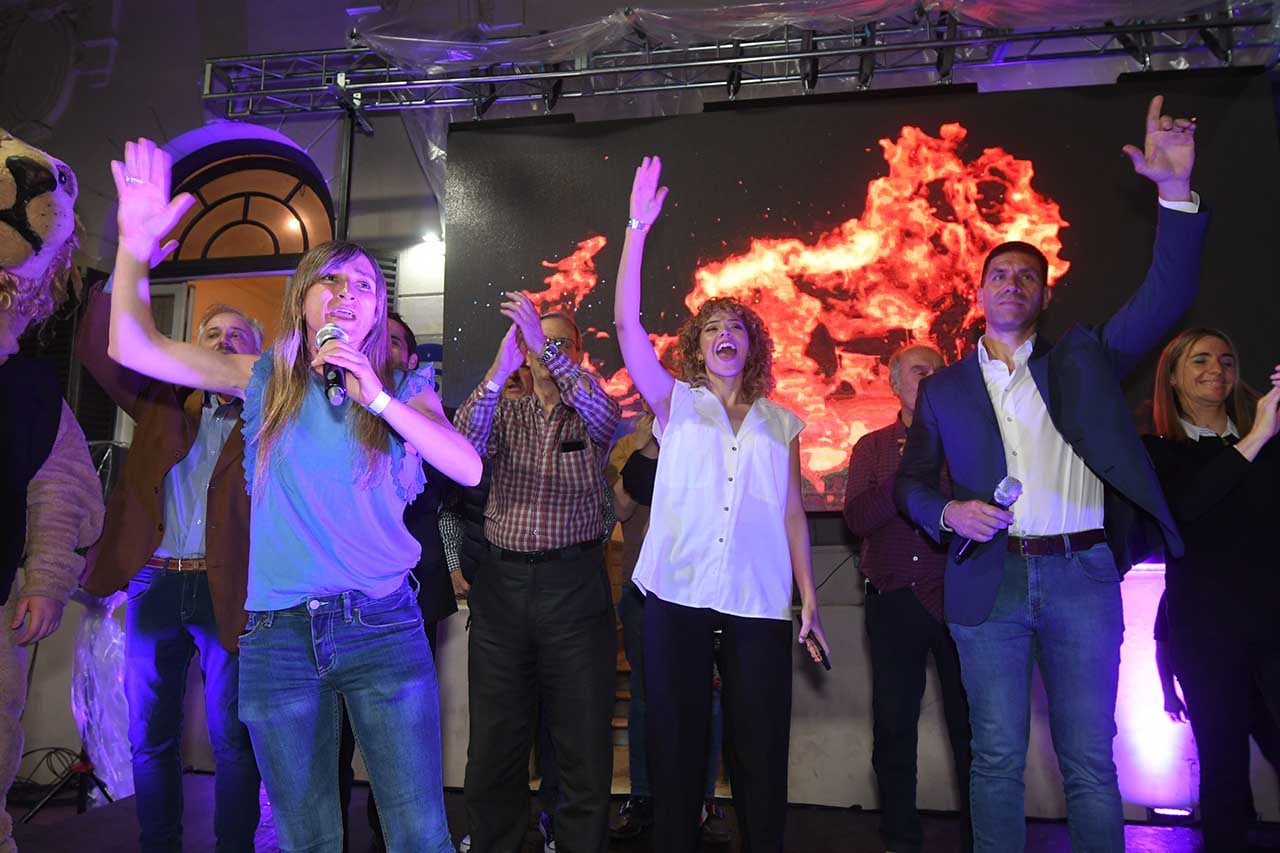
[(177, 536)]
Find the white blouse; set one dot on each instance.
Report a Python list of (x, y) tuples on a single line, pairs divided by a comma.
[(717, 534)]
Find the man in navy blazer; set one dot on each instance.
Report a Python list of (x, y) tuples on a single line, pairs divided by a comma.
[(1042, 578)]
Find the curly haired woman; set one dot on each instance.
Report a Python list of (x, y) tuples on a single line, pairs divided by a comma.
[(727, 537)]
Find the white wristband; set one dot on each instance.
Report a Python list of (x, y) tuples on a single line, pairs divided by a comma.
[(492, 386), (637, 225), (379, 403)]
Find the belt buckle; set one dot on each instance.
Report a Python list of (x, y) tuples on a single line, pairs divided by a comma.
[(178, 560), (1022, 547)]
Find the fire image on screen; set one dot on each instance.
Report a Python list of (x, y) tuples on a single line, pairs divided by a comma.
[(849, 238)]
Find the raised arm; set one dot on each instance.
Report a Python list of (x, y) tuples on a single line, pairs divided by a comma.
[(475, 417), (145, 215), (579, 389), (651, 378), (122, 385), (1171, 282)]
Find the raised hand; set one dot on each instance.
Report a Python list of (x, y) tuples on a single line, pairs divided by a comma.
[(1168, 152), (146, 213), (509, 357), (519, 309), (646, 196), (1266, 422)]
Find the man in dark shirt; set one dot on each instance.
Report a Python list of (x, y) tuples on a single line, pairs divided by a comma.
[(904, 573), (542, 620)]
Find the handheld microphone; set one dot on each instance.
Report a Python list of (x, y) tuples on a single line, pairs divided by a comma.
[(1007, 491), (335, 378)]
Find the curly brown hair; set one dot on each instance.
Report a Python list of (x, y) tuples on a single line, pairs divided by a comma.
[(757, 373)]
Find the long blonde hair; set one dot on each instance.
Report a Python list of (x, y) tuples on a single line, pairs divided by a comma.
[(1166, 408), (291, 370)]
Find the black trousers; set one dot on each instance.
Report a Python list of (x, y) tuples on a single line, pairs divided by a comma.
[(541, 634), (347, 773), (755, 673), (1231, 683), (901, 634)]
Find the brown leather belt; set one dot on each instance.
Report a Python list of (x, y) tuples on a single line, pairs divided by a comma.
[(1056, 546), (178, 564)]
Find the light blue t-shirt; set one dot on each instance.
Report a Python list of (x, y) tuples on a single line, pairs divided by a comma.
[(314, 529)]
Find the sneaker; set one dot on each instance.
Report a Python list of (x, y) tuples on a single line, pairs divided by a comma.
[(715, 825), (547, 826), (464, 846), (634, 817)]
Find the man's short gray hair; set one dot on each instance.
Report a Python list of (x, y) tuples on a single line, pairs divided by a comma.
[(219, 308), (895, 361)]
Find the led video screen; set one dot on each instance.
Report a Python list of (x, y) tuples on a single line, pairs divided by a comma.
[(856, 225)]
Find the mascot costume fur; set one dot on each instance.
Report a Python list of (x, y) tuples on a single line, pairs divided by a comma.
[(50, 497)]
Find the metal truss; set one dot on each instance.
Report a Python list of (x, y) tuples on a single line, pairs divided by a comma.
[(357, 80)]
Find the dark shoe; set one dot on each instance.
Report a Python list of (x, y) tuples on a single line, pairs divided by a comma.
[(635, 816), (715, 826)]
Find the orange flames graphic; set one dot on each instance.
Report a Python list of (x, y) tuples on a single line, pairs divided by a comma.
[(905, 272)]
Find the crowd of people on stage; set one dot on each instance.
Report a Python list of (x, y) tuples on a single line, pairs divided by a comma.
[(302, 513)]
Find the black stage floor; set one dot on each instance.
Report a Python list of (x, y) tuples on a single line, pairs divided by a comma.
[(112, 829)]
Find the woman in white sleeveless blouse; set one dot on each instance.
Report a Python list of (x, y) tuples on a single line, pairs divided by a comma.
[(727, 537)]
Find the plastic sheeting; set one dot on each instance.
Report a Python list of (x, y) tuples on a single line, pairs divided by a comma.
[(97, 692), (399, 39)]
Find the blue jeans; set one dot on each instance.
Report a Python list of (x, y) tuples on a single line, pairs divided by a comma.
[(631, 614), (1066, 614), (297, 666), (169, 617)]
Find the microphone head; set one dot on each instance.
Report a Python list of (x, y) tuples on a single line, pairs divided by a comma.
[(330, 332), (1007, 491)]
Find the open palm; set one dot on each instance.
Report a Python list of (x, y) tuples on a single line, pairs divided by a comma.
[(145, 213), (646, 196)]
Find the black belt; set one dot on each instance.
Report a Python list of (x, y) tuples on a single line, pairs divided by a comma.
[(1056, 546), (550, 555)]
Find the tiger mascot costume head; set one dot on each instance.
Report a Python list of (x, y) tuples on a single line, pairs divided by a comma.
[(37, 237)]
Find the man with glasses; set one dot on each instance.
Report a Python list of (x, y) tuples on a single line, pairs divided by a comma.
[(542, 622)]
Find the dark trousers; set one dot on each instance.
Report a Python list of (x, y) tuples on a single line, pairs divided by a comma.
[(755, 673), (541, 634), (1224, 674), (901, 634), (347, 773)]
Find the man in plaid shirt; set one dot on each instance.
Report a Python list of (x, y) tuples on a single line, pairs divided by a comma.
[(542, 621)]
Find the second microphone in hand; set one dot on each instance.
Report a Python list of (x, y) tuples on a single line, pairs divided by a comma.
[(1007, 492), (335, 378)]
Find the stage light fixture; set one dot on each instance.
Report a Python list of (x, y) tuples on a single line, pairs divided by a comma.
[(1219, 42), (552, 96), (867, 62), (482, 103), (808, 67), (1139, 47), (946, 55)]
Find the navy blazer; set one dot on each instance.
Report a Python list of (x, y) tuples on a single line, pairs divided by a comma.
[(1079, 379)]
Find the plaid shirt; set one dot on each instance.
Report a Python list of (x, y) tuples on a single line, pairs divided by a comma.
[(895, 554), (547, 469)]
